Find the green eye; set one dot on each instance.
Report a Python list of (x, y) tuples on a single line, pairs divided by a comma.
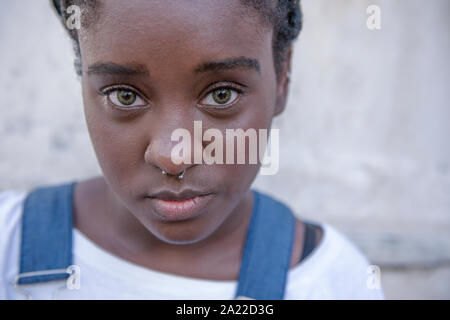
[(126, 97), (222, 96)]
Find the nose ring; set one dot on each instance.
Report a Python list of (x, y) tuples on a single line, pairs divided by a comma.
[(180, 176)]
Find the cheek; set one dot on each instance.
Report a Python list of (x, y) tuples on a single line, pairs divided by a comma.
[(116, 149), (236, 178), (240, 177)]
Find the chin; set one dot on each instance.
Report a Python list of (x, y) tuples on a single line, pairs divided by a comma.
[(181, 233), (179, 237)]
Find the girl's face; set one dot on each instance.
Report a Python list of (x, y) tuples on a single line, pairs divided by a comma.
[(151, 67)]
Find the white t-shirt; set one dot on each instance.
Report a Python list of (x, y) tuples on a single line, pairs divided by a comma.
[(336, 269)]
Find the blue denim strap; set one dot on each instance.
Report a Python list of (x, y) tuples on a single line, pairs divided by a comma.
[(46, 239), (268, 249)]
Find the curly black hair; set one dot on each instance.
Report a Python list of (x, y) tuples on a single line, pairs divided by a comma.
[(285, 16)]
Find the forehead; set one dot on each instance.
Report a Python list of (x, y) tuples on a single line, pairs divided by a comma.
[(173, 31)]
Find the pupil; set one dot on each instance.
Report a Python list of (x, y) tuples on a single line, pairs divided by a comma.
[(222, 96), (126, 97)]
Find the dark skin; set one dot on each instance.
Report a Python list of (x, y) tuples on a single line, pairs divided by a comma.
[(162, 52)]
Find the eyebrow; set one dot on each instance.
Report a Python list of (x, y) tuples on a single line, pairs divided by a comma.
[(230, 63), (117, 69), (139, 69)]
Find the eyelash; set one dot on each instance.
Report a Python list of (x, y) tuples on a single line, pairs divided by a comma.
[(106, 91), (223, 85)]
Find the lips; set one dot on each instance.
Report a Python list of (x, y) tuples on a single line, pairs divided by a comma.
[(171, 206)]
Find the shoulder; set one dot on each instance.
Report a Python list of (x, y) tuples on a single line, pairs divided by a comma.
[(336, 269), (11, 203)]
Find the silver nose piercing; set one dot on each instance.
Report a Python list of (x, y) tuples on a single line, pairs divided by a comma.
[(180, 176)]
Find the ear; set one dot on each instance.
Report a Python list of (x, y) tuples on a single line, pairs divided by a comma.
[(283, 84)]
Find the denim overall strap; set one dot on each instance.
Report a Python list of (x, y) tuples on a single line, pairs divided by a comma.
[(46, 239), (267, 252)]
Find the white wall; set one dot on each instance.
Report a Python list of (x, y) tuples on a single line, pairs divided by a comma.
[(364, 137)]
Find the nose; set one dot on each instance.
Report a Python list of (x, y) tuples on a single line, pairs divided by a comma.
[(158, 154)]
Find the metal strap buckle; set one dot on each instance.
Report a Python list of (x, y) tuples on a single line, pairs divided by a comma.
[(72, 282)]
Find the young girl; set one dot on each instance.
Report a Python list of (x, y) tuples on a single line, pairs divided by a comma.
[(152, 228)]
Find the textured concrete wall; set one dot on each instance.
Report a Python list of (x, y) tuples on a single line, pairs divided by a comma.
[(364, 138)]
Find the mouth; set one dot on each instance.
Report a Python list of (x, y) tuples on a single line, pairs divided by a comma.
[(171, 206)]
